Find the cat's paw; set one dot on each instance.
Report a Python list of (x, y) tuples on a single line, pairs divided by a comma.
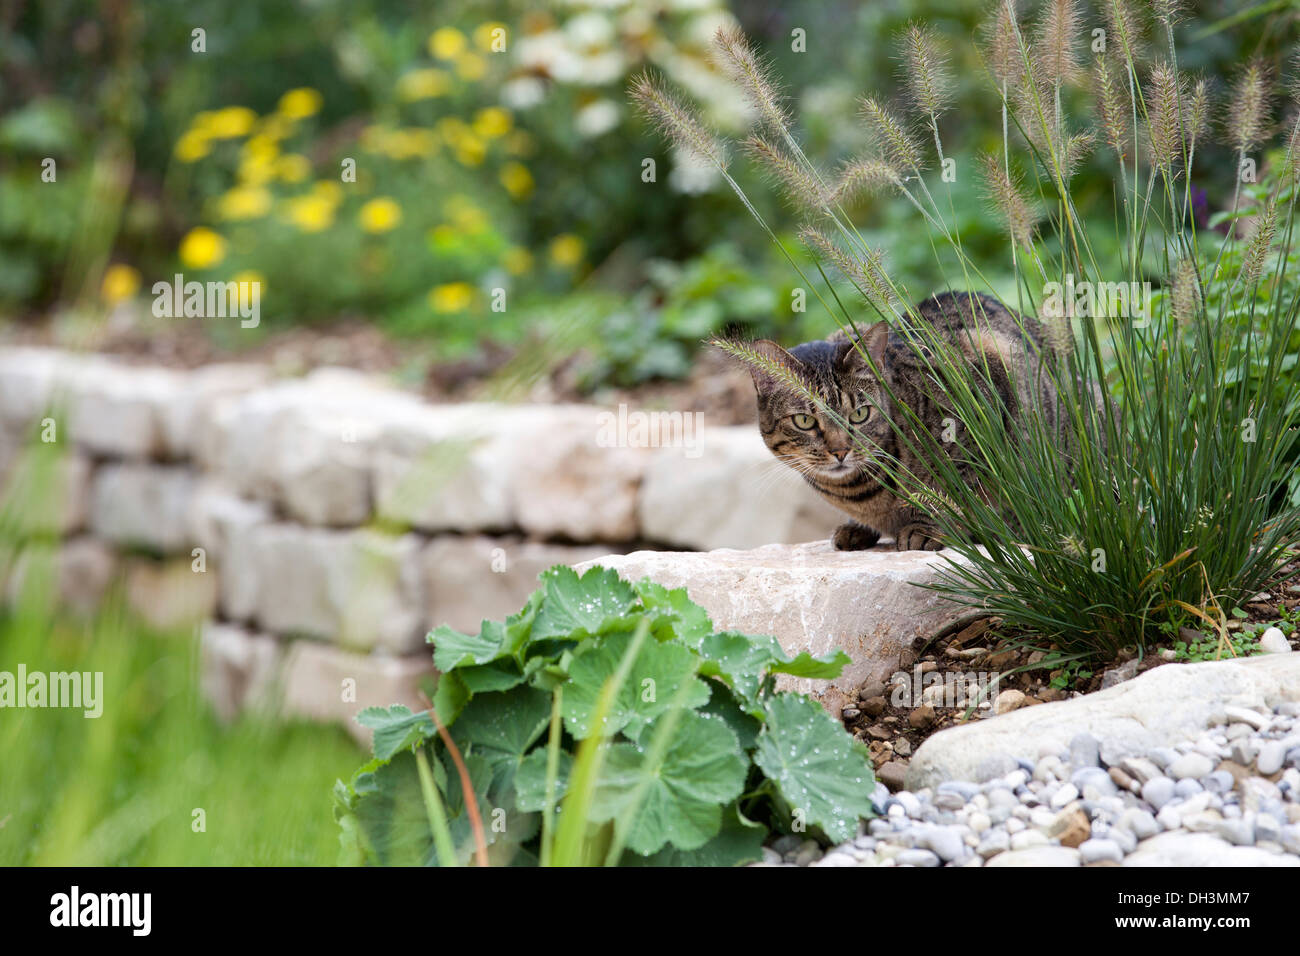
[(852, 536), (918, 537)]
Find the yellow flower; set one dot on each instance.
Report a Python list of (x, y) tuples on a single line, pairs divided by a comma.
[(453, 130), (405, 143), (519, 143), (293, 168), (517, 180), (446, 43), (464, 215), (120, 282), (470, 66), (299, 103), (193, 145), (484, 35), (517, 260), (470, 220), (471, 151), (380, 215), (256, 170), (229, 123), (566, 250), (253, 278), (202, 248), (423, 85), (244, 202), (451, 297), (310, 213), (274, 127), (373, 138), (257, 160), (328, 190), (492, 122)]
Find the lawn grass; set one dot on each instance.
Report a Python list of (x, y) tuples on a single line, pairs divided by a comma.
[(123, 788)]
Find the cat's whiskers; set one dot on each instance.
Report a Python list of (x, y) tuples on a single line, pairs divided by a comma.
[(776, 470)]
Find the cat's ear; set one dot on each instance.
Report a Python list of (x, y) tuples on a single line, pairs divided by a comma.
[(768, 352), (873, 342)]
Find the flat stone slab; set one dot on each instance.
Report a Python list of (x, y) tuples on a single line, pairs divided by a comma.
[(1165, 706), (1180, 848), (812, 598)]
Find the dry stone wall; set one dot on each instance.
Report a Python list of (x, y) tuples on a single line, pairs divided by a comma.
[(314, 529)]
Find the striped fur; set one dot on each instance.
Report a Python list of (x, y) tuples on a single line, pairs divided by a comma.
[(837, 462)]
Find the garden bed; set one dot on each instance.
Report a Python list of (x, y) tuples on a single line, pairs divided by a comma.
[(894, 731)]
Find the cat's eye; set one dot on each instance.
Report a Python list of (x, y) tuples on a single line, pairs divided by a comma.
[(860, 414), (806, 422)]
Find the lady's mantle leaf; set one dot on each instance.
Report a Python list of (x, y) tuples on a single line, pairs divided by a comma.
[(815, 765), (396, 728), (677, 616), (649, 690), (702, 771), (504, 725), (530, 780), (818, 668), (740, 660), (495, 639), (739, 841), (575, 607)]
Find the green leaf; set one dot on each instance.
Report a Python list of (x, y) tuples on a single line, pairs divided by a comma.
[(450, 697), (656, 675), (691, 621), (396, 728), (495, 640), (452, 649), (389, 816), (723, 706), (738, 661), (818, 668), (498, 675), (504, 723), (575, 607), (530, 780), (702, 770), (739, 841), (815, 764)]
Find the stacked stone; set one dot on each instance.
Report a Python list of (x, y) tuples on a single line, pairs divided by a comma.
[(319, 527)]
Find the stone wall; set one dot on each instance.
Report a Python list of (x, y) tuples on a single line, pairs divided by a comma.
[(314, 529)]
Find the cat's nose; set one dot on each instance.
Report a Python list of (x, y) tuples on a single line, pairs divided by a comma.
[(840, 454)]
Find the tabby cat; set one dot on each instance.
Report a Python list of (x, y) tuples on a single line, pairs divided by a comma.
[(840, 465)]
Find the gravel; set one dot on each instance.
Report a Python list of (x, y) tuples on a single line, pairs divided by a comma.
[(1237, 785)]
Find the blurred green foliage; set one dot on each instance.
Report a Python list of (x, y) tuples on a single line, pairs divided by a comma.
[(121, 789), (477, 169)]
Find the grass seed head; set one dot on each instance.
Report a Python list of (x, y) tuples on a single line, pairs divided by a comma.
[(676, 120), (925, 71), (805, 190), (1009, 198), (753, 75), (892, 135), (1058, 30), (1246, 122)]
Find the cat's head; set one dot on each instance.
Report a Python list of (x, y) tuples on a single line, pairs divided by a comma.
[(799, 431)]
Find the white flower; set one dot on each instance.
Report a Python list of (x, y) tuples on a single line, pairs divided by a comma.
[(523, 92), (596, 118), (692, 174), (599, 69), (590, 31)]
